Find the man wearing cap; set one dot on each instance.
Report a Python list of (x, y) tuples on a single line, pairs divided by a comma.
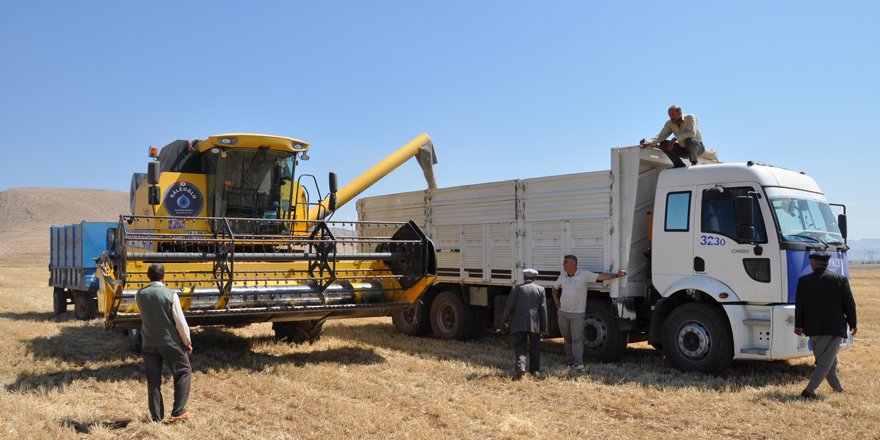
[(526, 315), (572, 305), (824, 305)]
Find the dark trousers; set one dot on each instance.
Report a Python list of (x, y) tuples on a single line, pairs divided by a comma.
[(825, 348), (527, 342), (692, 150), (178, 362)]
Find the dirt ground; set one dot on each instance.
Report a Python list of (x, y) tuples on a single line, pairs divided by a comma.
[(60, 377)]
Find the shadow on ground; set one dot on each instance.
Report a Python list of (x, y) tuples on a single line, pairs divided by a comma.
[(37, 316), (216, 349), (640, 364)]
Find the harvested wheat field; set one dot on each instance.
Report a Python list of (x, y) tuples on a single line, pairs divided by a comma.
[(64, 378)]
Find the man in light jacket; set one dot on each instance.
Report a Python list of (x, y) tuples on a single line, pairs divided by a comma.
[(166, 339)]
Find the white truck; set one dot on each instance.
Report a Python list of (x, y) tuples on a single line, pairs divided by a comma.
[(712, 272)]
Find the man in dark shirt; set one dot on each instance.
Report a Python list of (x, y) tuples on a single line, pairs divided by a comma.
[(166, 339), (824, 305), (526, 315)]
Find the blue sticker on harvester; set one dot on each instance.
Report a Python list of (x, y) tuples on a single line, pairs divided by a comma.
[(183, 199)]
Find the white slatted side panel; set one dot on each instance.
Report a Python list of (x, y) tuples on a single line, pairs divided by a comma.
[(568, 197), (544, 246), (447, 242), (589, 243), (474, 204), (401, 207), (501, 261), (473, 252)]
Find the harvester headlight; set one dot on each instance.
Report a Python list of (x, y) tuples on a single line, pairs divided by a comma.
[(304, 156), (215, 150), (228, 140)]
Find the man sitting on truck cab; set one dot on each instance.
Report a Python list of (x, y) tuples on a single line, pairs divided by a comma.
[(572, 306), (688, 142)]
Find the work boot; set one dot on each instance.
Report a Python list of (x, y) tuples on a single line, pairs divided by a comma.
[(808, 394), (519, 375), (181, 418)]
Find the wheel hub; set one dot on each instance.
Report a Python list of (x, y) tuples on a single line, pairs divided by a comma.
[(447, 317), (694, 340), (595, 332)]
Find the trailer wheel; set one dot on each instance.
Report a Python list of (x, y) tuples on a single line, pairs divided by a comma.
[(696, 337), (84, 306), (412, 321), (603, 339), (451, 318), (299, 332), (59, 301)]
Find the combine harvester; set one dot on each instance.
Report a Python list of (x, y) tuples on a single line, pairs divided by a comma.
[(244, 239)]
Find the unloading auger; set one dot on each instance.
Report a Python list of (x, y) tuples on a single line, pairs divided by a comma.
[(243, 240)]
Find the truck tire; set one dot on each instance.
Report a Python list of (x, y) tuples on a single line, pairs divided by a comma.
[(299, 332), (59, 301), (603, 339), (84, 306), (697, 337), (412, 321), (451, 317)]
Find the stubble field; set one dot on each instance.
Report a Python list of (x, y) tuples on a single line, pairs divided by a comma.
[(363, 380)]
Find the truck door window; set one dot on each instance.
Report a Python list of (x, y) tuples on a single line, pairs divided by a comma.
[(678, 211), (719, 214)]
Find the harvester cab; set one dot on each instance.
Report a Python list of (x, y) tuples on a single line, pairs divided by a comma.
[(245, 238)]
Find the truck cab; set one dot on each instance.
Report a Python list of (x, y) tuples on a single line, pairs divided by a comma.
[(735, 238)]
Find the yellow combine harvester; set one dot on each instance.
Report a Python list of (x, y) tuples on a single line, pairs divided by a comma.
[(245, 239)]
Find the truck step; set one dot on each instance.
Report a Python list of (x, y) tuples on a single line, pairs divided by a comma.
[(754, 350)]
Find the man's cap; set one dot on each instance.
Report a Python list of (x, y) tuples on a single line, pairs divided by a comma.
[(820, 256), (530, 272)]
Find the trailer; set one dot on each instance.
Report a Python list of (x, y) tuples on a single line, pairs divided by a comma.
[(711, 276), (74, 250)]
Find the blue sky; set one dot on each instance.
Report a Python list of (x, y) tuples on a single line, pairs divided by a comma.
[(506, 89)]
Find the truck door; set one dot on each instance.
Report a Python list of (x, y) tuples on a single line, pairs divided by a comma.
[(747, 268), (674, 229)]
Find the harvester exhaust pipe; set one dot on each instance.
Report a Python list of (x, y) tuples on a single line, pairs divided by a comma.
[(421, 147)]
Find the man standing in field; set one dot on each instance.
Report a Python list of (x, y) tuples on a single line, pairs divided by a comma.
[(824, 305), (688, 142), (526, 315), (572, 306), (165, 339)]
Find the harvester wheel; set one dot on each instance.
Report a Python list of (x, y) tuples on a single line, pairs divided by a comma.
[(412, 321), (451, 317), (299, 332), (59, 301), (84, 306)]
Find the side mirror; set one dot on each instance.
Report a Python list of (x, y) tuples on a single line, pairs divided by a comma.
[(333, 185), (841, 224), (153, 172), (745, 215), (154, 195)]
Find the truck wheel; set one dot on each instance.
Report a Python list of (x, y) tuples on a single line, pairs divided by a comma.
[(84, 306), (696, 337), (299, 332), (412, 321), (59, 301), (603, 339), (451, 318)]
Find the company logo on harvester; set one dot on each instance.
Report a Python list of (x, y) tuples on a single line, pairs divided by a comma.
[(183, 199)]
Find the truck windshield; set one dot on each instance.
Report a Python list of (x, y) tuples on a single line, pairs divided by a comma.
[(804, 217)]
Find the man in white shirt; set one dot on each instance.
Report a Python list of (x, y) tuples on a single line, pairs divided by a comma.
[(688, 142), (166, 338), (572, 305)]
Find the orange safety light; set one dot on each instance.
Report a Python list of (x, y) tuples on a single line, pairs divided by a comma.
[(154, 152)]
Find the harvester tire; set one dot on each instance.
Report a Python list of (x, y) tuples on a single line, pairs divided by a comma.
[(59, 301), (84, 306), (451, 317), (697, 337), (603, 339), (299, 332), (412, 321)]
